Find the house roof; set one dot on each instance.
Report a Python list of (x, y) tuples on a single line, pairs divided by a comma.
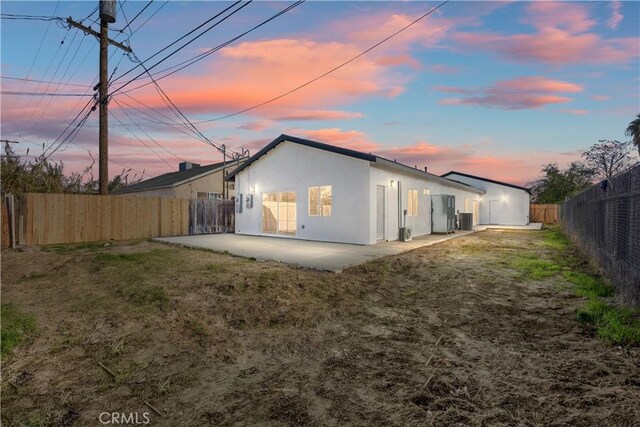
[(493, 181), (380, 161), (306, 142), (171, 179)]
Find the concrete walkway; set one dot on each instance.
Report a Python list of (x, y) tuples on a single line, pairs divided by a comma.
[(304, 253)]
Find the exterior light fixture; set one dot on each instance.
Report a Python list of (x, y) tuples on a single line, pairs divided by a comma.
[(252, 189), (392, 183)]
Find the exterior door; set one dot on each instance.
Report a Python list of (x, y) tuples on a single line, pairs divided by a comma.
[(493, 211), (380, 209), (476, 213)]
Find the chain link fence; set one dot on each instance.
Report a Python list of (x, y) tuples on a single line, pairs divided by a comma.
[(604, 221)]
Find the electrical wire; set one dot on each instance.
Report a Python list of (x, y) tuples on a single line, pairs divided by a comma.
[(184, 45), (136, 137), (135, 17), (74, 132), (28, 80), (184, 64), (9, 16), (147, 135), (295, 89), (21, 93)]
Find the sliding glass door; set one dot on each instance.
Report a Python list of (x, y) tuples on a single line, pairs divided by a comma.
[(279, 213)]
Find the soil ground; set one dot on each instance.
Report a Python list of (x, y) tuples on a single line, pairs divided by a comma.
[(450, 334)]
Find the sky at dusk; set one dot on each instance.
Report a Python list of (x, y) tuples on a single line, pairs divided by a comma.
[(495, 89)]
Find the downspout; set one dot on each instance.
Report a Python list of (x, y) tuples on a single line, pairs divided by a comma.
[(399, 208)]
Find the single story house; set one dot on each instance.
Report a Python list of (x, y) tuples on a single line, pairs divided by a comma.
[(502, 203), (297, 188), (190, 181)]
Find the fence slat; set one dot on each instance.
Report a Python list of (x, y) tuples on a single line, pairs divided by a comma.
[(75, 218), (208, 216), (547, 214)]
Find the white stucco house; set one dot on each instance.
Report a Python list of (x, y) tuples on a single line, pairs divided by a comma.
[(502, 203), (297, 188)]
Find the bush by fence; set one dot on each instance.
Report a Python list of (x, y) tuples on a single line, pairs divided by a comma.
[(604, 221)]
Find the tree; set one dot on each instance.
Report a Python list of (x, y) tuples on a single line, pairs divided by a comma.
[(555, 185), (633, 131), (43, 176), (608, 158)]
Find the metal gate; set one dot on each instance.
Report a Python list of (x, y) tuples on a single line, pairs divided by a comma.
[(211, 216)]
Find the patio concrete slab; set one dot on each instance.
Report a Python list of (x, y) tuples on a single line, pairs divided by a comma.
[(304, 253)]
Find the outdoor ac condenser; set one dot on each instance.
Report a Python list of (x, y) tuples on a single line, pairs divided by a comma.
[(405, 234), (443, 215), (466, 221)]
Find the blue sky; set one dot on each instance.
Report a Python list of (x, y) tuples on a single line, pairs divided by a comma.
[(490, 88)]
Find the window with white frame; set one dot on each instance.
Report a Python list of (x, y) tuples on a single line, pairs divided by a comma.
[(412, 203), (320, 201)]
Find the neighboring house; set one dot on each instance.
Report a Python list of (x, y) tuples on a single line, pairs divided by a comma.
[(191, 181), (304, 189), (503, 203)]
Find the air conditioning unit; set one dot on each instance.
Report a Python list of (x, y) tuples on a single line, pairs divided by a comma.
[(405, 234), (465, 221)]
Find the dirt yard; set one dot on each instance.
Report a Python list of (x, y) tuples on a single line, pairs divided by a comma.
[(451, 334)]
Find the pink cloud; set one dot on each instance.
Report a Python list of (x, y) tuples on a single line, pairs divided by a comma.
[(572, 17), (575, 111), (256, 126), (321, 115), (241, 72), (352, 139), (616, 16), (443, 69), (600, 97), (397, 60), (516, 94), (561, 38)]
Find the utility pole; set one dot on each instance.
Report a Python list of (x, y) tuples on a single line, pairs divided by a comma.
[(107, 16)]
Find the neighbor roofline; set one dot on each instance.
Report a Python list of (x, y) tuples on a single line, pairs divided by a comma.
[(185, 181), (493, 181), (128, 190)]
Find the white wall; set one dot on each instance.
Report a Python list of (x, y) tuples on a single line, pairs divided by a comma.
[(513, 203), (420, 224), (294, 167)]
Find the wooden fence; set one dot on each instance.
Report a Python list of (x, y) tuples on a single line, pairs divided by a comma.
[(210, 216), (546, 214), (42, 219)]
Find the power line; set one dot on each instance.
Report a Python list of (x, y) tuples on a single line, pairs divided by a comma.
[(148, 136), (9, 16), (28, 80), (44, 36), (74, 132), (135, 17), (149, 18), (327, 72), (22, 93), (182, 46), (136, 137), (69, 125), (181, 116), (184, 64), (46, 72)]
